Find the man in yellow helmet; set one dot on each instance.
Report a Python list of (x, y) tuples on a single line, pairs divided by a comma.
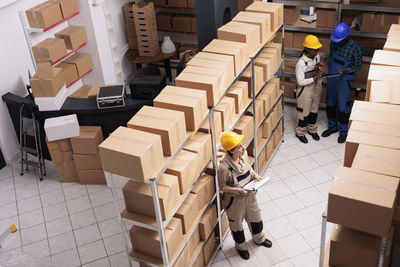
[(308, 91), (233, 173)]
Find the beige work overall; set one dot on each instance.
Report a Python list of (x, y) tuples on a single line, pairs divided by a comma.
[(231, 177)]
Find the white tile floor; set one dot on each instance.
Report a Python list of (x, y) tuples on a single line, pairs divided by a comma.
[(76, 225)]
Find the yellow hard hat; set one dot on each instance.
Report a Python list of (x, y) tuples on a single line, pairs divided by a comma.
[(230, 140), (312, 42)]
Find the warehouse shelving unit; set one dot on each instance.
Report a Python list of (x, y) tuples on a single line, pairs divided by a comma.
[(157, 223)]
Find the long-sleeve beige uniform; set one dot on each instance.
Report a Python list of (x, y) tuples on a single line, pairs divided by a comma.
[(232, 176)]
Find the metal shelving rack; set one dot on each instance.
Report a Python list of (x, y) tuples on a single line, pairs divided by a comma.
[(158, 224)]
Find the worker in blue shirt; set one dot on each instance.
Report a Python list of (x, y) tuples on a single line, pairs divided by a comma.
[(344, 58)]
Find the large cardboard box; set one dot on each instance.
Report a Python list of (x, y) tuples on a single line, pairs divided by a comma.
[(187, 213), (241, 32), (227, 109), (192, 102), (63, 145), (88, 140), (267, 64), (208, 222), (326, 18), (200, 143), (234, 49), (177, 3), (259, 111), (209, 248), (57, 156), (139, 198), (378, 22), (69, 72), (274, 9), (68, 7), (258, 79), (47, 87), (205, 126), (237, 94), (288, 39), (67, 172), (204, 190), (181, 23), (199, 261), (278, 47), (384, 92), (386, 58), (291, 15), (169, 124), (262, 20), (377, 159), (91, 177), (44, 15), (184, 167), (184, 258), (73, 36), (362, 201), (83, 62), (50, 48), (194, 242), (87, 162), (381, 73), (245, 127), (148, 242), (375, 112), (164, 21), (132, 153), (298, 39), (267, 128), (61, 127)]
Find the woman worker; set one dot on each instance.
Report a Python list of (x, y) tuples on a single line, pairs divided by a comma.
[(233, 173), (308, 91)]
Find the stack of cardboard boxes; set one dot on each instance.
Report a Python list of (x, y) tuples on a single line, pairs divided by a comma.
[(176, 22), (174, 3)]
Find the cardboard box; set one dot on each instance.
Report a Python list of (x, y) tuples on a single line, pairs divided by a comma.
[(204, 190), (278, 135), (87, 162), (194, 242), (187, 213), (267, 128), (377, 159), (68, 7), (88, 140), (378, 22), (205, 126), (44, 15), (237, 94), (169, 124), (208, 222), (130, 29), (209, 248), (184, 167), (184, 258), (384, 92), (191, 3), (362, 201), (83, 62), (288, 39), (326, 18), (69, 72), (259, 111), (50, 48), (260, 141), (132, 153), (47, 87), (128, 12), (245, 127), (64, 145), (193, 23), (181, 23), (290, 90), (177, 3), (381, 73), (91, 177), (227, 109), (362, 75), (241, 32), (370, 133), (148, 242), (262, 20), (298, 39), (200, 143), (57, 156), (385, 58), (74, 36), (278, 47), (258, 79), (274, 9), (375, 112), (61, 127), (139, 198), (291, 15), (192, 102), (267, 65), (164, 21), (200, 260), (67, 172), (234, 49)]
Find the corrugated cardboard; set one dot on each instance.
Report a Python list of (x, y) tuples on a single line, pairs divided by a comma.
[(386, 58), (267, 128), (194, 242), (44, 15), (87, 162), (177, 3), (288, 39), (362, 201), (181, 23), (278, 135), (267, 66), (258, 79), (245, 127), (207, 223), (375, 112), (139, 199), (205, 126), (193, 23), (164, 21), (259, 111), (67, 172), (291, 15), (88, 140), (326, 18), (131, 153), (83, 62), (91, 177), (262, 20), (209, 248), (204, 190), (237, 94), (192, 102), (50, 48), (381, 73), (128, 12), (74, 36), (241, 32), (385, 92), (44, 68), (184, 258), (148, 242), (200, 260), (298, 39), (130, 29), (69, 72), (378, 160), (184, 167), (274, 9), (187, 214), (267, 97), (278, 47), (48, 87), (61, 127), (169, 124), (68, 7), (200, 143), (234, 49), (59, 157), (227, 108)]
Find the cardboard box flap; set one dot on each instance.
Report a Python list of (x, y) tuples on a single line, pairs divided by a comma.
[(356, 238), (385, 92), (388, 58)]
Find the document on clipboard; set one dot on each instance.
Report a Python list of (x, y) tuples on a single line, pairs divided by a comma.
[(254, 185)]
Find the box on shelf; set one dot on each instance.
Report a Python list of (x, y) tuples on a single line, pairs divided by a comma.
[(204, 190), (288, 39), (87, 162), (205, 126), (259, 111), (245, 127), (74, 36), (181, 23), (227, 109), (61, 127), (69, 72), (83, 62), (278, 134), (207, 223), (67, 172), (258, 79), (200, 143), (44, 15), (298, 39), (260, 141), (274, 9), (88, 140), (177, 3), (187, 213), (267, 65), (184, 258), (47, 87), (209, 248), (291, 15), (381, 73), (192, 102), (384, 92), (237, 94), (132, 153), (362, 201), (164, 21), (148, 242), (50, 48), (378, 22), (278, 51), (262, 20), (169, 124), (199, 261), (139, 199), (326, 18), (91, 176), (68, 7)]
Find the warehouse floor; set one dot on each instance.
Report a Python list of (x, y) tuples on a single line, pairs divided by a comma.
[(74, 225)]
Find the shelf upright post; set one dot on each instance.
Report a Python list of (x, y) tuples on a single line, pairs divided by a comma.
[(255, 126), (382, 252), (283, 79), (323, 238), (161, 232), (215, 168)]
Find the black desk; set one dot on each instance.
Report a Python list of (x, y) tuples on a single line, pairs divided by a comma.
[(86, 111)]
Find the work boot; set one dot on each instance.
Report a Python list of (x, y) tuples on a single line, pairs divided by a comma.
[(302, 139), (267, 243), (342, 138), (244, 254), (315, 136), (328, 132)]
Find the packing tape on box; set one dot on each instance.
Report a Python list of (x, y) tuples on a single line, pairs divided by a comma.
[(349, 181), (371, 132)]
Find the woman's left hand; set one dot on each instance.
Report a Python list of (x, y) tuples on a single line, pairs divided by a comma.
[(258, 178)]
